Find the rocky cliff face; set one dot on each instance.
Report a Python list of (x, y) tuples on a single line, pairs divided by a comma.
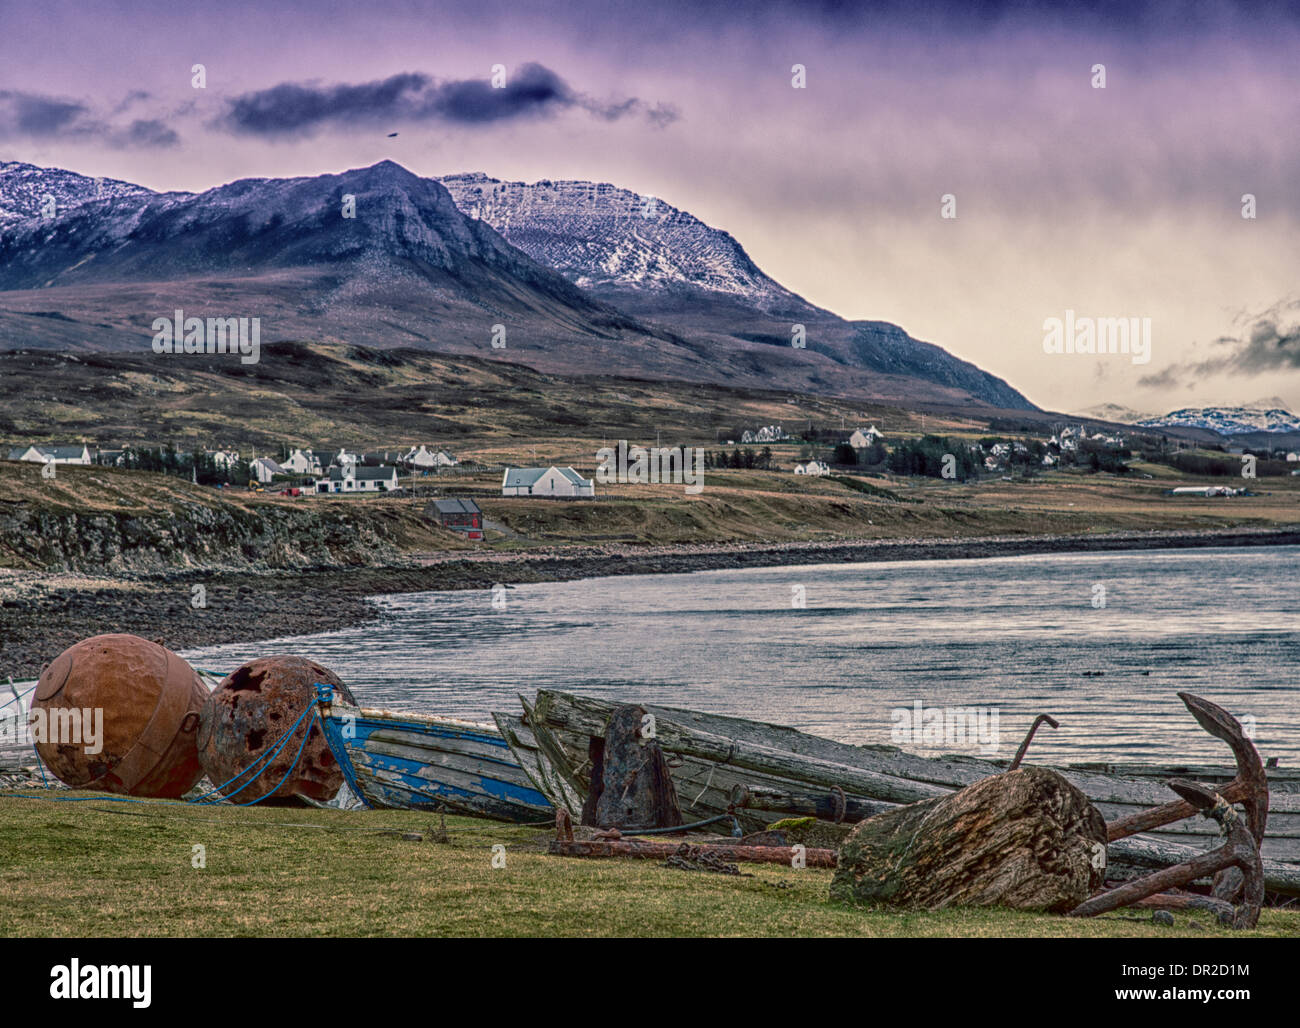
[(218, 537)]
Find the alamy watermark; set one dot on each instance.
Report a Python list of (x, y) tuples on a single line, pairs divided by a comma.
[(637, 465), (213, 335), (953, 727), (1073, 334), (59, 726)]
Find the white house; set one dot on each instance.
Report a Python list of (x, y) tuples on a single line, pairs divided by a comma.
[(550, 481), (767, 434), (418, 457), (813, 467), (265, 469), (861, 439), (1049, 461), (55, 454), (443, 459), (356, 478), (343, 458), (1293, 457), (302, 462)]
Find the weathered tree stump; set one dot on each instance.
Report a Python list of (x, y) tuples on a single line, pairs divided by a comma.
[(1027, 839), (630, 783)]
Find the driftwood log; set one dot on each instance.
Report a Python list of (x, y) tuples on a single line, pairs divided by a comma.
[(1026, 839), (630, 783)]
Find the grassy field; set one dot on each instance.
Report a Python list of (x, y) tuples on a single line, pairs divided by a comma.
[(100, 868)]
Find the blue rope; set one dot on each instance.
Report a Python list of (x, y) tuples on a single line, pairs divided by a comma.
[(40, 764), (200, 800), (17, 698), (297, 757), (268, 757)]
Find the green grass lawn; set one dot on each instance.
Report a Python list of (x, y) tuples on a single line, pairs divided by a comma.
[(100, 868)]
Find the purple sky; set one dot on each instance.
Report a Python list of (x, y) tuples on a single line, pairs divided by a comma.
[(1123, 201)]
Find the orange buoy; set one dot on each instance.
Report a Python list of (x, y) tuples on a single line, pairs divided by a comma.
[(120, 714), (249, 713)]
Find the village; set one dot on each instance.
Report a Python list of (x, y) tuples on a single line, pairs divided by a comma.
[(864, 452)]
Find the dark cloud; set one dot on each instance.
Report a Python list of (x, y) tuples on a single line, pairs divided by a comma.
[(293, 109), (1271, 343), (150, 132), (31, 116)]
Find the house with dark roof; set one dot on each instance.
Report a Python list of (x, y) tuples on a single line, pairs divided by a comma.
[(458, 515), (357, 478), (56, 454)]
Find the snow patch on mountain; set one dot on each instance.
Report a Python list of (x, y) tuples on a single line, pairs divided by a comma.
[(596, 234), (25, 190), (1228, 420)]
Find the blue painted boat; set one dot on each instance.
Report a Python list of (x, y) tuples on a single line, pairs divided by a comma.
[(423, 762)]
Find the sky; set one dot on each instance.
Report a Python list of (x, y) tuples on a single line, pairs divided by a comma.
[(1117, 202)]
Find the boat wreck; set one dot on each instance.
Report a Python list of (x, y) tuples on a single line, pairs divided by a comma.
[(758, 772), (422, 761)]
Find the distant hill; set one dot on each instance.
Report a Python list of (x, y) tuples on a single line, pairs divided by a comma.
[(1112, 412), (1228, 421)]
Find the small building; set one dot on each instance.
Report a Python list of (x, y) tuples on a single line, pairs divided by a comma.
[(418, 457), (458, 515), (552, 481), (863, 438), (302, 462), (356, 478), (343, 458), (52, 454), (816, 468), (264, 469)]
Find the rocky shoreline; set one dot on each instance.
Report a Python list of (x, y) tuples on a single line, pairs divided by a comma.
[(43, 614)]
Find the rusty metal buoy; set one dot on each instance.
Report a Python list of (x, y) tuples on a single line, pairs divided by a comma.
[(248, 714), (119, 713)]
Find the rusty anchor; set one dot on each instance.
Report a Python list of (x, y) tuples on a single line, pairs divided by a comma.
[(1240, 851), (1238, 889)]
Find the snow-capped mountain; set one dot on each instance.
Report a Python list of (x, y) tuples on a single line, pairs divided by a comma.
[(666, 267), (1228, 420), (1112, 412), (586, 278), (26, 191), (598, 235)]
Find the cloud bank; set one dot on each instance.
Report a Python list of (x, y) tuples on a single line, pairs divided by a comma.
[(293, 109)]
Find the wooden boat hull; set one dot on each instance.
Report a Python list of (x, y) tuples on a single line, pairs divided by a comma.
[(710, 754), (419, 762)]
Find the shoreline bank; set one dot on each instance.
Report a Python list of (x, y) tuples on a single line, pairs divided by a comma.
[(41, 614)]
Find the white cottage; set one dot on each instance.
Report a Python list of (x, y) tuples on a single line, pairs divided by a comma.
[(355, 478), (552, 481), (265, 469), (52, 454), (302, 462), (863, 438)]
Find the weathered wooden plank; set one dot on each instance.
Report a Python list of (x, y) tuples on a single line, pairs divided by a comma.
[(543, 777), (753, 756)]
